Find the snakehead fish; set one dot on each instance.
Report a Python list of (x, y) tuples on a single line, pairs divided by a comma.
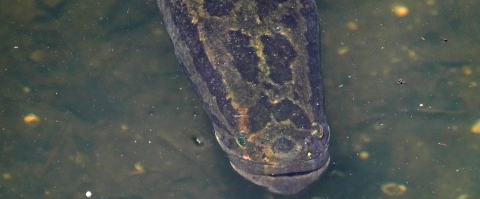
[(255, 64)]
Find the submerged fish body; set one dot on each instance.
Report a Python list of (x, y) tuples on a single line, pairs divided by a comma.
[(255, 64)]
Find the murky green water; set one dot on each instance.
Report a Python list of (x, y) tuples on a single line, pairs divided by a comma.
[(116, 116)]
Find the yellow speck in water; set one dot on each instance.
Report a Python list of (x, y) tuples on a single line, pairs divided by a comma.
[(412, 55), (393, 189), (138, 169), (37, 56), (476, 127), (454, 127), (365, 138), (363, 155), (467, 71), (26, 89), (6, 176), (400, 11), (31, 118), (430, 2), (78, 158), (352, 25), (158, 32), (343, 51), (124, 127)]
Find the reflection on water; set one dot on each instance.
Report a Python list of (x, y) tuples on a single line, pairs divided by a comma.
[(93, 99)]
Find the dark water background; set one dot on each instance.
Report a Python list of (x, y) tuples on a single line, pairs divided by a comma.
[(112, 100)]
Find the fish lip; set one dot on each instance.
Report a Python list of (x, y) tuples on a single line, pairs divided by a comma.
[(283, 165), (284, 183)]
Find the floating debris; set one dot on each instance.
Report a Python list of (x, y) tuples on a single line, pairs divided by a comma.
[(401, 81), (199, 141), (337, 173), (393, 189), (445, 40)]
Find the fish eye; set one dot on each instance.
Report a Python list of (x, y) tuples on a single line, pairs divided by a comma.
[(320, 132), (317, 130), (241, 141)]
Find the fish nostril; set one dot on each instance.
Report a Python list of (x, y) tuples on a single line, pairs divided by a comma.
[(282, 145)]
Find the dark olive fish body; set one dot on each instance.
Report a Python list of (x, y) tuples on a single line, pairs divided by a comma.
[(256, 66)]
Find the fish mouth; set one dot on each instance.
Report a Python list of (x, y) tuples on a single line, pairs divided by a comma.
[(285, 183)]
